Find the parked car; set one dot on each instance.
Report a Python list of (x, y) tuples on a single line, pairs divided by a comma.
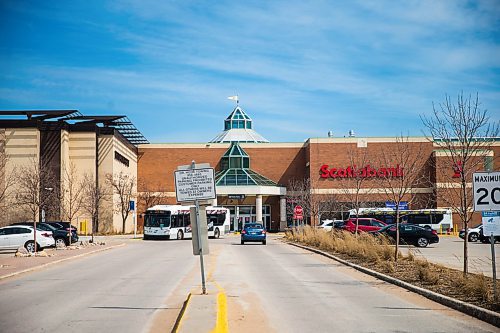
[(364, 224), (13, 237), (328, 225), (64, 226), (253, 232), (410, 234), (473, 233), (61, 236)]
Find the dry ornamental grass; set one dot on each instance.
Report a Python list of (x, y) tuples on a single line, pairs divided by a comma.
[(377, 253)]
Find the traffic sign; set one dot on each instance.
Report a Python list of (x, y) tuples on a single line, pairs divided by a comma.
[(195, 184), (298, 212), (486, 186), (491, 223)]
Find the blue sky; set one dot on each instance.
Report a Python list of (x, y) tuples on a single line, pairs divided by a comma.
[(301, 68)]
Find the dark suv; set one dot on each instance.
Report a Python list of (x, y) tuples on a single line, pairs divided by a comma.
[(59, 234)]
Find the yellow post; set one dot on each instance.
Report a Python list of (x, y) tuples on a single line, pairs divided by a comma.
[(83, 227)]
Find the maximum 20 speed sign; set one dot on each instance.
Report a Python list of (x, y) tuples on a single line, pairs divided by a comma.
[(486, 186)]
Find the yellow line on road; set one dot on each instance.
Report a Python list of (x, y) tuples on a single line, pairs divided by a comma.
[(221, 324)]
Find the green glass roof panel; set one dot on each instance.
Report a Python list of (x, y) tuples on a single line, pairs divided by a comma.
[(241, 177)]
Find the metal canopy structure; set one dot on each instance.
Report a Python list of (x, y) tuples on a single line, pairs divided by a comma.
[(39, 114), (121, 123)]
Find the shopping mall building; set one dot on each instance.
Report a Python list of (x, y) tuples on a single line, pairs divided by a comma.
[(260, 181), (256, 179)]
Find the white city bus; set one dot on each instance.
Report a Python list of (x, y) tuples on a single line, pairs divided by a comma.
[(438, 219), (173, 222)]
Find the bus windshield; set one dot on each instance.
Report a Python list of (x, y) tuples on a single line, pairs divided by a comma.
[(217, 219), (157, 220)]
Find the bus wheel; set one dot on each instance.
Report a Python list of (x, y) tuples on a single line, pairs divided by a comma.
[(216, 233), (180, 234)]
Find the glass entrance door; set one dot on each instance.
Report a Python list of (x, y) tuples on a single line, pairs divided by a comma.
[(240, 215)]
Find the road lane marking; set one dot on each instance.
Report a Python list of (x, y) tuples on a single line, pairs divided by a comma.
[(221, 324)]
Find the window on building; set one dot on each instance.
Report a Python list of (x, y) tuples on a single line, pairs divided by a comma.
[(488, 163), (122, 159)]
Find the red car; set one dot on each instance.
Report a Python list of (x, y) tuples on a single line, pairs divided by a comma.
[(364, 224)]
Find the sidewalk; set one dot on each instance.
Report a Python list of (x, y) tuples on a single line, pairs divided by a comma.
[(10, 265)]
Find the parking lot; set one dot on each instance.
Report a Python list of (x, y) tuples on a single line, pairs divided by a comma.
[(450, 252)]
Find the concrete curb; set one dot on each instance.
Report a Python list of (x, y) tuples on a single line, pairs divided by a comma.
[(488, 316), (58, 261), (181, 314)]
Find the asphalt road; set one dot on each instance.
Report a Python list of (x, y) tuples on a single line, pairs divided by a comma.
[(450, 252), (118, 290), (286, 289), (269, 288)]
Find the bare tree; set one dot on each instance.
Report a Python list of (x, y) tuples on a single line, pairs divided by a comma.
[(123, 185), (299, 192), (329, 204), (411, 170), (94, 196), (353, 182), (149, 195), (463, 132), (36, 189), (72, 193), (7, 179), (37, 192)]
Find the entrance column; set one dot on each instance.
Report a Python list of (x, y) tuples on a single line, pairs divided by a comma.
[(258, 208), (282, 213)]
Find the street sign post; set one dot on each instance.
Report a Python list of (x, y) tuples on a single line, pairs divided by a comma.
[(486, 187), (198, 218), (298, 213), (194, 183), (132, 208), (491, 223)]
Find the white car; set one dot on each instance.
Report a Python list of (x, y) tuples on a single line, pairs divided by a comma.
[(328, 225), (15, 236)]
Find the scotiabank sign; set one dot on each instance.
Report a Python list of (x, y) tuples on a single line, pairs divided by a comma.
[(366, 172)]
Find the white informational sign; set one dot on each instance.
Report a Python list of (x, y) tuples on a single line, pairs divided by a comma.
[(195, 184), (486, 186), (491, 223)]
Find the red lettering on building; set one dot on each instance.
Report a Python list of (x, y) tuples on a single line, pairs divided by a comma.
[(457, 169), (366, 172)]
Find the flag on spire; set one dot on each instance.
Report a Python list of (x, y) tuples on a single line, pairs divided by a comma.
[(234, 98)]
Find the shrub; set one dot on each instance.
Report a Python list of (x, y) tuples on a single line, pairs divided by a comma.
[(425, 272), (388, 266), (364, 246)]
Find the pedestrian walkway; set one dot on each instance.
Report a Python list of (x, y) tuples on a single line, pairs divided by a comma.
[(10, 265)]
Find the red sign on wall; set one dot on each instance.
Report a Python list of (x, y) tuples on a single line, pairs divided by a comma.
[(366, 172), (457, 169)]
